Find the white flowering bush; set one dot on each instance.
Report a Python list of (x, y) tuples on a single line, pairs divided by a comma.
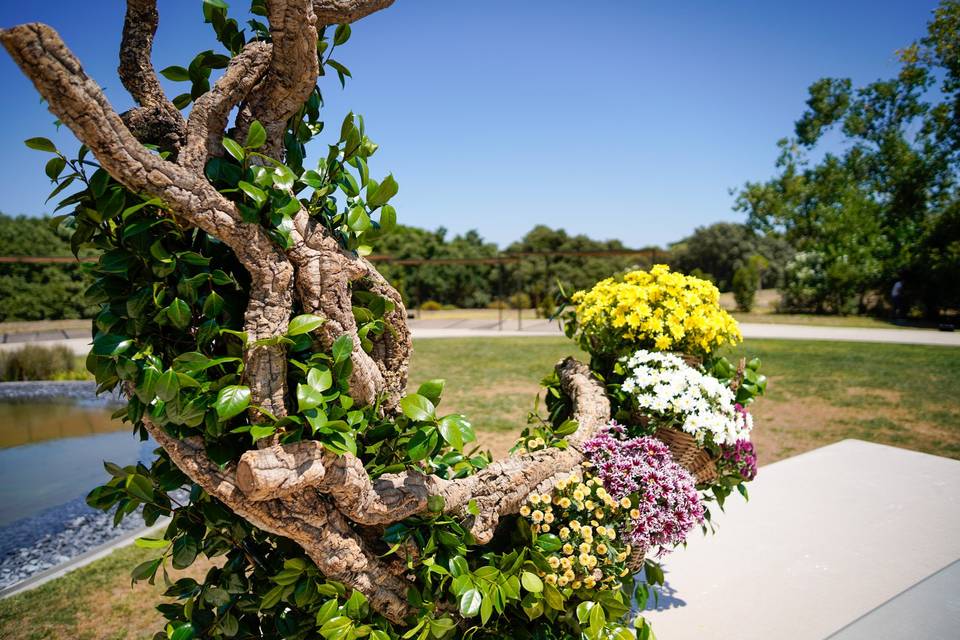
[(670, 393)]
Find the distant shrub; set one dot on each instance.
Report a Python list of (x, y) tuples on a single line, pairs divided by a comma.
[(746, 281), (519, 301), (431, 305), (33, 362)]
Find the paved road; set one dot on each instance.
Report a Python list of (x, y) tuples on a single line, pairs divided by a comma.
[(475, 328), (489, 329)]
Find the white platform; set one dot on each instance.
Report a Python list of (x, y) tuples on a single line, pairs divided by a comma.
[(832, 541)]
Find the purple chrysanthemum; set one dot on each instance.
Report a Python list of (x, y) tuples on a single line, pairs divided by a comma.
[(665, 494), (741, 457)]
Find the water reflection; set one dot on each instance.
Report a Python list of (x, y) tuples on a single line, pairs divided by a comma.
[(29, 423), (52, 452)]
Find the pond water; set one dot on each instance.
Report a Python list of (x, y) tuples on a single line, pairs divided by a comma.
[(52, 449)]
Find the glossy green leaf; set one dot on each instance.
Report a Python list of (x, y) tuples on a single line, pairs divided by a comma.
[(256, 135), (41, 144), (176, 73), (531, 582), (234, 149), (342, 348), (232, 401), (179, 313), (256, 194), (418, 408), (304, 324)]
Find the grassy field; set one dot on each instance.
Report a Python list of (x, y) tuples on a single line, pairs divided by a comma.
[(819, 393)]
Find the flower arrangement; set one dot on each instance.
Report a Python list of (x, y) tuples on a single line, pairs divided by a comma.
[(670, 393), (659, 309), (665, 502), (580, 519)]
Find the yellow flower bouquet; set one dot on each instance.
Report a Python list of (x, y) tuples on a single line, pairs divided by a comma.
[(656, 310)]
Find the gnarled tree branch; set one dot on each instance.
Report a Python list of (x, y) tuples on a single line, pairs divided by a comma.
[(210, 112), (345, 11), (157, 120), (498, 490), (306, 518), (80, 104), (292, 75)]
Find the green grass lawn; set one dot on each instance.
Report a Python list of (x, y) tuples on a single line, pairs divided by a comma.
[(820, 392)]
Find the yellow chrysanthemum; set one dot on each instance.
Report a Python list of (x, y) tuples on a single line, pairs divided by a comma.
[(657, 309)]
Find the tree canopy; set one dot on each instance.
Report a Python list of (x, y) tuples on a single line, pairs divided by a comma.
[(867, 187)]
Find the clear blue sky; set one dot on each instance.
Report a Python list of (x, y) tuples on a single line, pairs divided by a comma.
[(627, 119)]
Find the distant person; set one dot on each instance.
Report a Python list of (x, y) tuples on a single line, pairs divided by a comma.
[(896, 294)]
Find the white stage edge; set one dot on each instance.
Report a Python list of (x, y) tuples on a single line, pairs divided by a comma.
[(829, 538)]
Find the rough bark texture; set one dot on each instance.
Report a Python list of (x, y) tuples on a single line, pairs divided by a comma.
[(157, 120), (326, 503)]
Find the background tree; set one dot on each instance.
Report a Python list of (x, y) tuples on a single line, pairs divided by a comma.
[(39, 291), (538, 276), (461, 285), (868, 211), (719, 249)]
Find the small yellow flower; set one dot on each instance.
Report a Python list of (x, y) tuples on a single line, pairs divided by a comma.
[(568, 549), (545, 498), (553, 561), (534, 498), (634, 513), (584, 547), (545, 528), (548, 517), (625, 502), (537, 516), (551, 579), (602, 549), (601, 530), (575, 525), (564, 533), (525, 511), (565, 502)]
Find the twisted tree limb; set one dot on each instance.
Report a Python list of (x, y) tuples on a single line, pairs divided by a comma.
[(498, 490), (156, 120), (80, 104), (291, 76), (210, 112), (345, 11), (306, 518)]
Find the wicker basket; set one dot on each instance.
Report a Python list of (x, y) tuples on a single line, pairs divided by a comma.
[(692, 361), (688, 454), (635, 561)]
